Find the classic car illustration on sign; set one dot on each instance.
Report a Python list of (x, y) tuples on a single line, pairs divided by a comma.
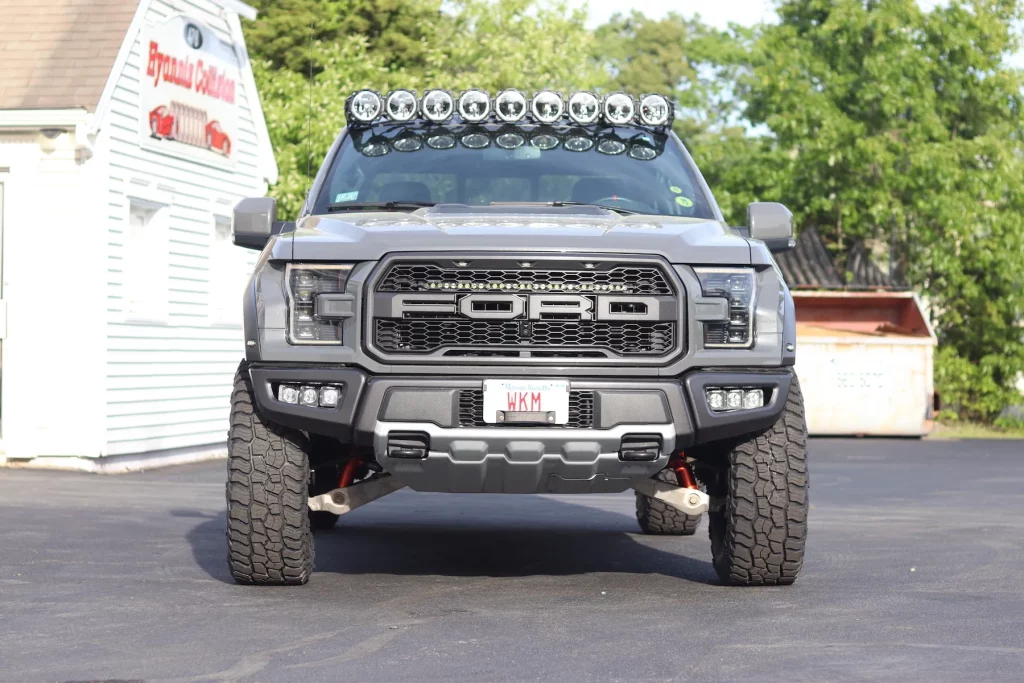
[(161, 122)]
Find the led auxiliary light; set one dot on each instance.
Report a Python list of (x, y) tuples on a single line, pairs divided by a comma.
[(546, 106), (309, 396), (400, 105), (288, 394), (474, 105), (655, 110), (437, 105), (584, 108), (722, 399), (364, 106), (619, 109), (510, 106)]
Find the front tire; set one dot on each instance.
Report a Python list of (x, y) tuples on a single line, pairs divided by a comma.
[(269, 537), (657, 517), (758, 535)]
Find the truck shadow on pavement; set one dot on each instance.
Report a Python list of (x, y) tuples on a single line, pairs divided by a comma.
[(483, 535)]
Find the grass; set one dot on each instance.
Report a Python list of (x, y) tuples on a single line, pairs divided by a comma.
[(972, 430)]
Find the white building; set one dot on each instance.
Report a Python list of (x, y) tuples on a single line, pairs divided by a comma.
[(128, 131)]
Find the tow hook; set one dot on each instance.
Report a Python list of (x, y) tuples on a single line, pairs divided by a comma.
[(687, 498), (690, 501), (348, 498)]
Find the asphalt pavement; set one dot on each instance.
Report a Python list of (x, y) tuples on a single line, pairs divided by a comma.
[(913, 573)]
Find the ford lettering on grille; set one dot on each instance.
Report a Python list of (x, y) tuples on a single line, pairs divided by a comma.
[(548, 310), (530, 306)]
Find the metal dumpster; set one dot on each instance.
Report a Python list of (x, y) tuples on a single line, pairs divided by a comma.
[(865, 362)]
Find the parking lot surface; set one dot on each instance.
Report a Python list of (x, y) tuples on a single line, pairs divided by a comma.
[(914, 572)]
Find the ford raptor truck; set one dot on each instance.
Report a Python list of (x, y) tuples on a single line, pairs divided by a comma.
[(516, 293)]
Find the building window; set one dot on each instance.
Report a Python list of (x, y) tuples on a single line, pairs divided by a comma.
[(146, 263), (229, 274)]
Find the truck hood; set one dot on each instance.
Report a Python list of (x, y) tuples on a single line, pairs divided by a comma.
[(370, 236)]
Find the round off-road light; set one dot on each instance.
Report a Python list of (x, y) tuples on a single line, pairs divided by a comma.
[(437, 105), (364, 106), (510, 140), (641, 152), (376, 147), (544, 141), (408, 143), (474, 105), (584, 108), (476, 141), (546, 106), (400, 105), (510, 106), (444, 141), (619, 109), (578, 143), (611, 147), (655, 110)]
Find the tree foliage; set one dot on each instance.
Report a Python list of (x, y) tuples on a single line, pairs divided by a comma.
[(894, 123)]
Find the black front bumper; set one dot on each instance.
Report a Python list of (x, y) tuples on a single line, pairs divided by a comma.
[(369, 400)]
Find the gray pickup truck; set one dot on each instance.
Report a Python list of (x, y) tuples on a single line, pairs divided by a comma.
[(516, 293)]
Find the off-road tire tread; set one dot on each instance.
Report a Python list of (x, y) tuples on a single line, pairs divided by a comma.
[(269, 537), (660, 518), (759, 535)]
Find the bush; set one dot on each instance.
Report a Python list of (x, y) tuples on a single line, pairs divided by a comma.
[(971, 391)]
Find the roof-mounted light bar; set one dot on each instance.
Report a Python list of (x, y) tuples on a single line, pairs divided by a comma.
[(641, 145), (547, 107)]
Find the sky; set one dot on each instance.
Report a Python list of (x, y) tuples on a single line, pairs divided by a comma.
[(718, 13)]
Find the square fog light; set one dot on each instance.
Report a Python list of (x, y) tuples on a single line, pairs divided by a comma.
[(309, 396), (330, 397), (734, 399), (753, 398), (287, 393), (716, 399)]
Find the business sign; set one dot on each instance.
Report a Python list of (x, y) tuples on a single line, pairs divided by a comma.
[(189, 85)]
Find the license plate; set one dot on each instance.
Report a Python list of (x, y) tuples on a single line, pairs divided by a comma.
[(526, 401)]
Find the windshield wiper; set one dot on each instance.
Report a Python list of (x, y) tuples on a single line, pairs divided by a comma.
[(377, 206), (559, 204)]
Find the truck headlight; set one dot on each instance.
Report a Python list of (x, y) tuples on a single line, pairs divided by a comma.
[(305, 282), (739, 287)]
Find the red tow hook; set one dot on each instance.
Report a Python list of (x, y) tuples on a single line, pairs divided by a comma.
[(348, 474), (683, 472)]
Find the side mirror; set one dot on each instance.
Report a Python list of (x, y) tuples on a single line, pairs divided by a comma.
[(771, 223), (255, 221)]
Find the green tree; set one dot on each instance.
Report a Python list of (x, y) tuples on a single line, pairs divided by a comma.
[(682, 57), (399, 31), (894, 123), (526, 44)]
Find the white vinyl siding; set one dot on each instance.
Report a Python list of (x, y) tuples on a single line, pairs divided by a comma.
[(168, 384)]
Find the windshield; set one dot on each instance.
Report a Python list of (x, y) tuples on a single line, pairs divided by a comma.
[(622, 168)]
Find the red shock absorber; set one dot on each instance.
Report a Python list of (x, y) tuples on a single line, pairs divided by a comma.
[(348, 474), (684, 475)]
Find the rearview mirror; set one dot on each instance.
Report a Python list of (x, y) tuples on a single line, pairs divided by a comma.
[(255, 221), (771, 223)]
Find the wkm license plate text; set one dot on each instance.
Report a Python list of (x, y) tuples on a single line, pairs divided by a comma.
[(502, 397)]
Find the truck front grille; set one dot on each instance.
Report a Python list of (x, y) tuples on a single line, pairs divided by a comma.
[(524, 308), (419, 335), (424, 277), (471, 409)]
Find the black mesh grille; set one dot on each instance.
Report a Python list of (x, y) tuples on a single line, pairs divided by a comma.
[(427, 277), (471, 409), (422, 335), (449, 334)]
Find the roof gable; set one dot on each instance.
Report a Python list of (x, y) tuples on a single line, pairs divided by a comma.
[(57, 54)]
